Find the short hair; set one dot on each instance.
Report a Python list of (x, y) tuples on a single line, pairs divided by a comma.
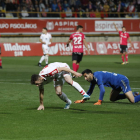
[(79, 26), (34, 78), (123, 26), (86, 71), (45, 28)]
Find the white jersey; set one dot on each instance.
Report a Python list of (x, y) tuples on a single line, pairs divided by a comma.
[(51, 72), (46, 38)]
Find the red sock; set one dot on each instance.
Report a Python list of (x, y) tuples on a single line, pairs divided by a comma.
[(123, 58), (126, 57), (0, 62), (77, 67), (74, 66)]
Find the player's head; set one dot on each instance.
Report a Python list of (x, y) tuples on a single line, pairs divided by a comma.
[(44, 30), (79, 28), (123, 29), (88, 75), (36, 80)]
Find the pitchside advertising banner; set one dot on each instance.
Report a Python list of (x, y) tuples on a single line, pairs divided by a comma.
[(59, 48), (67, 26)]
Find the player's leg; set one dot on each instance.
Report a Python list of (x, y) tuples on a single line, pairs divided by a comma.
[(63, 96), (0, 59), (126, 56), (46, 58), (79, 59), (41, 59), (115, 95), (122, 54), (132, 98), (74, 61), (69, 80)]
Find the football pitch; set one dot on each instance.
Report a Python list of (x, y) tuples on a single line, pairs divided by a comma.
[(19, 100)]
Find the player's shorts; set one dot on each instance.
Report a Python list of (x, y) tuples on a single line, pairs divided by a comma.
[(59, 81), (45, 49), (123, 48), (124, 85), (77, 56)]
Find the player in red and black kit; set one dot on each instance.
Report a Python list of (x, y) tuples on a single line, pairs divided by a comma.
[(0, 59), (123, 43), (78, 39)]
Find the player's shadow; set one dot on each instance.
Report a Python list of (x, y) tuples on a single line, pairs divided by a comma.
[(118, 63)]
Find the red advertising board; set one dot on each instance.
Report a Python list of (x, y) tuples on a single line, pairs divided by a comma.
[(59, 48), (60, 26)]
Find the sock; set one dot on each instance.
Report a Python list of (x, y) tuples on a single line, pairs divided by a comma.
[(79, 88), (120, 96), (74, 66), (41, 59), (126, 57), (46, 59), (0, 62), (64, 97), (123, 58), (77, 67), (137, 98)]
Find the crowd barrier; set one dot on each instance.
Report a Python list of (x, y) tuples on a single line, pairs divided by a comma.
[(59, 49)]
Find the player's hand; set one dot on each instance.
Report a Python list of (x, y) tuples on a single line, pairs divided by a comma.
[(79, 101), (77, 74), (88, 52), (43, 42), (41, 107), (67, 45), (98, 103)]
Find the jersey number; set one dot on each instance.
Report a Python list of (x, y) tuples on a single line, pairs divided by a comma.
[(77, 40)]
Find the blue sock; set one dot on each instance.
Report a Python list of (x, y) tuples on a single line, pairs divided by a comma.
[(137, 98), (133, 94)]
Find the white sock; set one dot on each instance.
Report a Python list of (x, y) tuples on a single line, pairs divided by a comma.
[(79, 88), (64, 97), (46, 58), (41, 59)]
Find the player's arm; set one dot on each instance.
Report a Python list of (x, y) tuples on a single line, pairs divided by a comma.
[(102, 92), (41, 96), (86, 45), (42, 41), (129, 39), (67, 44), (70, 71), (91, 88), (116, 27)]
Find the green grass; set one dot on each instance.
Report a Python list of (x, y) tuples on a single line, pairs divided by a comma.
[(19, 119)]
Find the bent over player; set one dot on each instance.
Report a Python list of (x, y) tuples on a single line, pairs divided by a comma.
[(46, 40), (118, 83), (123, 43), (58, 73), (78, 39)]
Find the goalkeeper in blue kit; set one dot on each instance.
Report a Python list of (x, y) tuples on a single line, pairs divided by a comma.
[(119, 83)]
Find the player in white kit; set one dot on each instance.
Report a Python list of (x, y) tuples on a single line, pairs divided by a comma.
[(58, 73), (46, 40)]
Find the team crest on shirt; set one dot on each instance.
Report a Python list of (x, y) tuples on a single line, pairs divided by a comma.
[(50, 25)]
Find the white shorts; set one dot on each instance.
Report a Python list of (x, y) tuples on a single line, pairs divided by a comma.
[(60, 80), (45, 49)]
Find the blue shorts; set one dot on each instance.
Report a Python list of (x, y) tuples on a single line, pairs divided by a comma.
[(123, 85)]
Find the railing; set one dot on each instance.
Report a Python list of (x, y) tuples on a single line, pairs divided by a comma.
[(13, 14)]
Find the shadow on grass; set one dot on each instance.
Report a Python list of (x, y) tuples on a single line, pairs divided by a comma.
[(5, 113), (118, 63)]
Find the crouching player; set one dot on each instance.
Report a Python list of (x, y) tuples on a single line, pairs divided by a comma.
[(58, 73), (118, 83)]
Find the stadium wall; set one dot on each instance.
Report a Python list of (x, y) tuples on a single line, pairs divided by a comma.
[(59, 48)]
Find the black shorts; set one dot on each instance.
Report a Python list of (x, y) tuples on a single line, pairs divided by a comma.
[(123, 48), (77, 56)]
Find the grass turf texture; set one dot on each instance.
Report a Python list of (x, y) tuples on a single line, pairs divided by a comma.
[(19, 119)]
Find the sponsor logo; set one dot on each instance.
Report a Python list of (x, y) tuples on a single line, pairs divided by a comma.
[(18, 49), (50, 25), (107, 25), (101, 48)]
